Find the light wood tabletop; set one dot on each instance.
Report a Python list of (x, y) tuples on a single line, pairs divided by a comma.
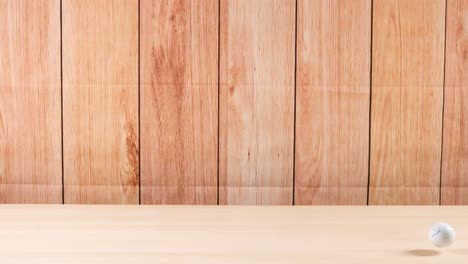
[(210, 234)]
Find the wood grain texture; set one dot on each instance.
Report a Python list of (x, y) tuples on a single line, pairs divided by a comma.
[(228, 234), (256, 101), (407, 95), (179, 101), (30, 133), (100, 101), (455, 148), (332, 108)]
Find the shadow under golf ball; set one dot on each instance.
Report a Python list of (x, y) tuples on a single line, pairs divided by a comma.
[(422, 252)]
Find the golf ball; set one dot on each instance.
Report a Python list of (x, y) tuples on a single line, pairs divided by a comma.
[(441, 235)]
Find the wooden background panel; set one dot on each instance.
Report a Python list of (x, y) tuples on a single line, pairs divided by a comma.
[(256, 101), (455, 154), (100, 101), (30, 133), (179, 101), (332, 108), (407, 95)]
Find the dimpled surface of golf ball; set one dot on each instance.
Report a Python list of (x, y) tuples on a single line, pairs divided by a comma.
[(441, 235)]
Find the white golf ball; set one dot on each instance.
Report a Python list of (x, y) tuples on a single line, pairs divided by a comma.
[(441, 235)]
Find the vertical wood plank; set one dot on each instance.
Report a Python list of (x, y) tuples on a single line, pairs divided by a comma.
[(332, 107), (256, 101), (179, 101), (455, 148), (407, 96), (100, 101), (30, 132)]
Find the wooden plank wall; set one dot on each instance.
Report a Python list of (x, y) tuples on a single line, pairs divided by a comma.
[(407, 97), (179, 101), (455, 144), (256, 102), (333, 96), (234, 102), (30, 133), (100, 101)]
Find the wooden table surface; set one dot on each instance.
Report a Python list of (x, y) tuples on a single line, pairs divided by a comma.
[(178, 234)]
